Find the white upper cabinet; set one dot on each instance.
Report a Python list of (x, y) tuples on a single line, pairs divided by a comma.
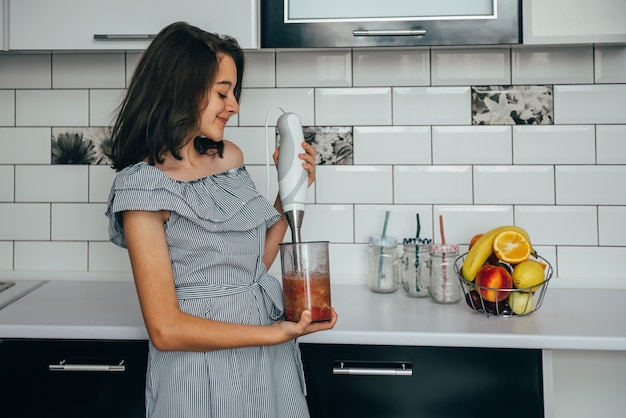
[(573, 21), (122, 24)]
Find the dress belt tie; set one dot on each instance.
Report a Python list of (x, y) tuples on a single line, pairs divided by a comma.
[(269, 287)]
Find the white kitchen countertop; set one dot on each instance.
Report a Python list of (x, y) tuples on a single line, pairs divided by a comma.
[(578, 319)]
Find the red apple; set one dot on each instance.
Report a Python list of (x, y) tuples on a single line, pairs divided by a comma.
[(494, 278)]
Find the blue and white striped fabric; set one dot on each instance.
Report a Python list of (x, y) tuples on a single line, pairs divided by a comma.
[(216, 235)]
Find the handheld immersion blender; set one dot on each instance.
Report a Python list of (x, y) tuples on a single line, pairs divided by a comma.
[(292, 177)]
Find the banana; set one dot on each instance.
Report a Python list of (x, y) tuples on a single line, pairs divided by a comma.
[(482, 249)]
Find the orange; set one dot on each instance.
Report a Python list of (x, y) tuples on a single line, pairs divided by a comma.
[(511, 247)]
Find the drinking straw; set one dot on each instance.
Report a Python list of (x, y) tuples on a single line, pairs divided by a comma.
[(380, 258), (443, 258), (417, 255)]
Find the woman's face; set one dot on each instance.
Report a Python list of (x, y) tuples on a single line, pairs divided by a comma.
[(221, 100)]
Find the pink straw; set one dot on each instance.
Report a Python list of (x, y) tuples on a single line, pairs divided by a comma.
[(443, 237)]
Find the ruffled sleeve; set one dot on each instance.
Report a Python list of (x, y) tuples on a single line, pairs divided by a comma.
[(226, 201)]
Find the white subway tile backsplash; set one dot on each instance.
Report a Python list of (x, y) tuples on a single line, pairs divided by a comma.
[(132, 59), (610, 63), (353, 106), (54, 183), (340, 184), (25, 71), (560, 225), (348, 264), (432, 106), (105, 256), (100, 181), (600, 103), (408, 113), (260, 69), (256, 103), (432, 184), (51, 256), (391, 67), (470, 66), (552, 65), (402, 223), (472, 145), (319, 68), (24, 221), (7, 183), (6, 255), (590, 185), (542, 144), (88, 70), (392, 145), (513, 185), (591, 262), (333, 223), (611, 144), (79, 222), (51, 108), (612, 225), (252, 141), (462, 222), (7, 107), (103, 106), (25, 146)]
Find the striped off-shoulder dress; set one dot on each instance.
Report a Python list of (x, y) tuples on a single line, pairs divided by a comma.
[(216, 235)]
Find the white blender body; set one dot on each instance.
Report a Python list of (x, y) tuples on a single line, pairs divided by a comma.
[(292, 177)]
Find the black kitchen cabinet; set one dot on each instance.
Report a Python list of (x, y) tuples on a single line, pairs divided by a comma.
[(422, 382), (72, 378)]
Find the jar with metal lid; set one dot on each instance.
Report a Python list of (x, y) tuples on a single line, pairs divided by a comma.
[(414, 276), (444, 286), (383, 264)]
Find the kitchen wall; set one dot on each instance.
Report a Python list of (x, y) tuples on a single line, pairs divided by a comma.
[(425, 137)]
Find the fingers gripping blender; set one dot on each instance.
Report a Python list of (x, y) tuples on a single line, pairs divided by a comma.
[(305, 267)]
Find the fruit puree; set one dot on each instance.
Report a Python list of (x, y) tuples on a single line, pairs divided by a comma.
[(299, 296)]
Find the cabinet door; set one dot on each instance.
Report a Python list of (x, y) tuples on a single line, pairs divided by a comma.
[(373, 381), (54, 378), (72, 24), (573, 21)]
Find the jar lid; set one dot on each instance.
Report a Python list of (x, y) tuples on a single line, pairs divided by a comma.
[(415, 241), (386, 241), (443, 248)]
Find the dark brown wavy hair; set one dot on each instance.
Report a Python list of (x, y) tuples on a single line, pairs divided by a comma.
[(167, 94)]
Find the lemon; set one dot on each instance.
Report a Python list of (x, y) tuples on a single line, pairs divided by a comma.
[(521, 303), (528, 274)]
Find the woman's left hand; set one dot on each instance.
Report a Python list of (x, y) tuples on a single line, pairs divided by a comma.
[(308, 159)]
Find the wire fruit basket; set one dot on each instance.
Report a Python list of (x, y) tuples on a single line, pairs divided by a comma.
[(526, 300)]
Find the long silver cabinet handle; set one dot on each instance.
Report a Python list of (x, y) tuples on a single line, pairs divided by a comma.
[(383, 32), (87, 367), (394, 369), (123, 37)]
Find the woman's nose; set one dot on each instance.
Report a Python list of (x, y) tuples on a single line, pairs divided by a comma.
[(232, 106)]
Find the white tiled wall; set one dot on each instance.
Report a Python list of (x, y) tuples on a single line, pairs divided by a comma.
[(415, 151)]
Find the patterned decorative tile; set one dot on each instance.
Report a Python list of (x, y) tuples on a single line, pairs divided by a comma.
[(80, 145), (334, 145), (512, 105)]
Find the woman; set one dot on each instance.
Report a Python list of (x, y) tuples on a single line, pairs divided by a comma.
[(201, 238)]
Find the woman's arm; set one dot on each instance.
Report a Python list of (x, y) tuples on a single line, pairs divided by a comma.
[(168, 327), (276, 233)]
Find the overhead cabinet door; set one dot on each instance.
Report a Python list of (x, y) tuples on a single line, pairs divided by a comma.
[(121, 24)]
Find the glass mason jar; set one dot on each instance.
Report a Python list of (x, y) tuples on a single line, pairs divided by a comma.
[(444, 286), (383, 264), (414, 276)]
